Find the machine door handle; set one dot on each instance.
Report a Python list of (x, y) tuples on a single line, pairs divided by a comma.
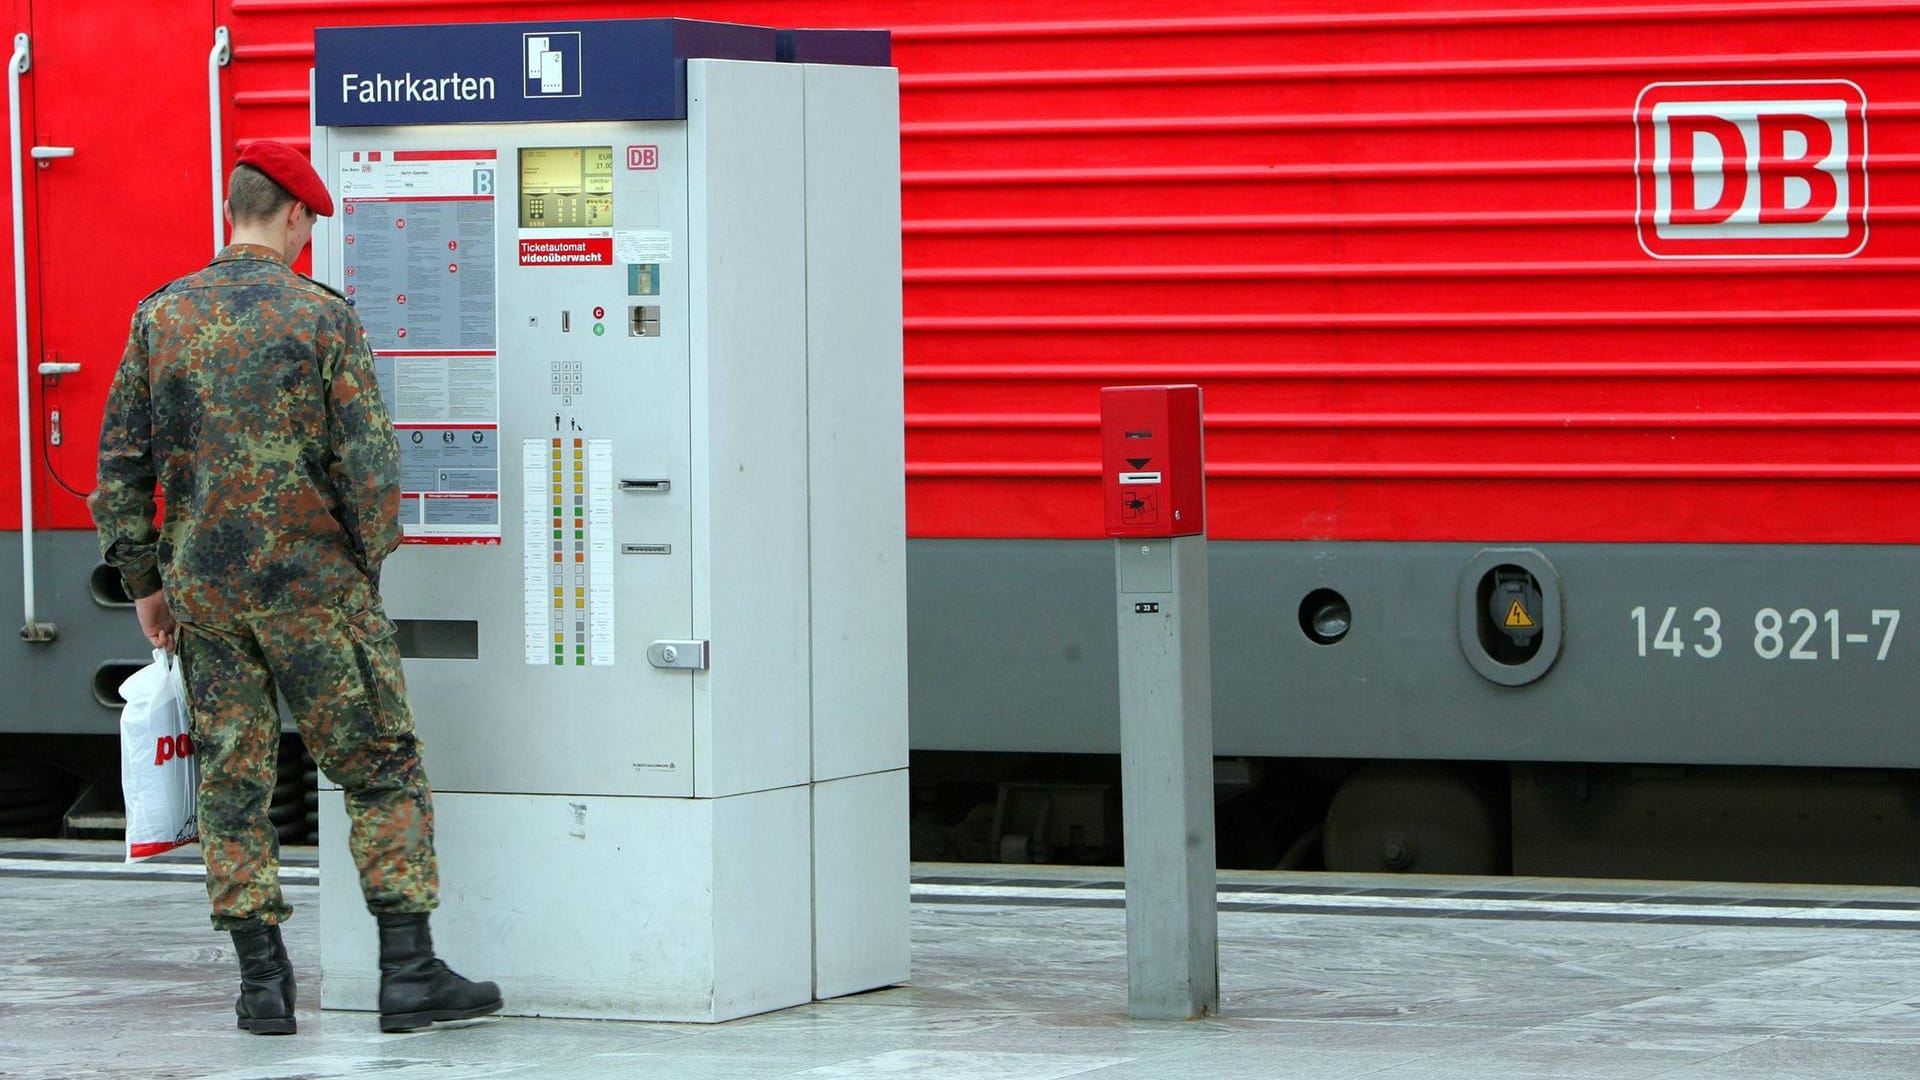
[(691, 655), (217, 59), (44, 154)]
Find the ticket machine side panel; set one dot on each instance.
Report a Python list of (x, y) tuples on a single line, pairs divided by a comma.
[(857, 453), (749, 386)]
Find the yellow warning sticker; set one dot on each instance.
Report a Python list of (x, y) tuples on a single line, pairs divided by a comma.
[(1517, 615)]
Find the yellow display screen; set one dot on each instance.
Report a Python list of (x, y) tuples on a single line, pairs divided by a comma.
[(566, 187)]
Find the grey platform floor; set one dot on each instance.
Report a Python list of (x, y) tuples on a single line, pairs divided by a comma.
[(1020, 972)]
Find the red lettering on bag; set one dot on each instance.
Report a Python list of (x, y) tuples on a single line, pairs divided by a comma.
[(172, 746)]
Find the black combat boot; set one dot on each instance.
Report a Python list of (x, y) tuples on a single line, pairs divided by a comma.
[(265, 1004), (415, 987)]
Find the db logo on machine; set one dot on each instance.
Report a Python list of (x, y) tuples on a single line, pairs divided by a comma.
[(1731, 170)]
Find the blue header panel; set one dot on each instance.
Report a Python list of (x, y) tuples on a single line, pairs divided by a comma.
[(475, 73), (864, 48)]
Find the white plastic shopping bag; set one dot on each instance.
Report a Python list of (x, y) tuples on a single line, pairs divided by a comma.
[(158, 772)]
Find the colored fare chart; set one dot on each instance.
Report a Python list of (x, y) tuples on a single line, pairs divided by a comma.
[(568, 571), (417, 262)]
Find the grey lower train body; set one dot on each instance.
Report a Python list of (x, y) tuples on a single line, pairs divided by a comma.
[(1681, 710), (1666, 653)]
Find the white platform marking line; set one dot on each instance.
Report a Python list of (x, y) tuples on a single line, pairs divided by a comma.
[(289, 875), (1448, 905), (307, 875)]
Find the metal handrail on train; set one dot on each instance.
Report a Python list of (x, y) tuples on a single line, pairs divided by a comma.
[(222, 53), (32, 629)]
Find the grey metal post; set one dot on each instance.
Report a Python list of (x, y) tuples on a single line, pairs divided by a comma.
[(1166, 749)]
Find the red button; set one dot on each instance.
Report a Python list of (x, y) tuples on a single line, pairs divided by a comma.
[(599, 313)]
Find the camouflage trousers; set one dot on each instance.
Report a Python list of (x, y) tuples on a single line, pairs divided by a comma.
[(339, 670)]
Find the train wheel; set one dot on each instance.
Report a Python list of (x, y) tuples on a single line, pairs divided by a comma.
[(1417, 817)]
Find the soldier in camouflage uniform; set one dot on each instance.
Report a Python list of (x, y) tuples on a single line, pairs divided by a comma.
[(247, 393)]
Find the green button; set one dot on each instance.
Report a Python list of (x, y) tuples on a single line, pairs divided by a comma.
[(599, 329), (579, 534), (556, 535)]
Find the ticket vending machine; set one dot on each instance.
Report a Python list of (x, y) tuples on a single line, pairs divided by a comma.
[(633, 293)]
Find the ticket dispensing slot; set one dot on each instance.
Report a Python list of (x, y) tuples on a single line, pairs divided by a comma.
[(651, 487), (438, 639)]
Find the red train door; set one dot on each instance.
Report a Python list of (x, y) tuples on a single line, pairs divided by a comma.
[(123, 86)]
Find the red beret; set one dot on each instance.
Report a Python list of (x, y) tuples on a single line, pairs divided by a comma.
[(290, 169)]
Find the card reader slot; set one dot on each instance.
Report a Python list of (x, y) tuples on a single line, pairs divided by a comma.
[(647, 487)]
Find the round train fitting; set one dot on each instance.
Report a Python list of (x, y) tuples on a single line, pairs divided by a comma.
[(107, 588), (1325, 616), (1510, 615)]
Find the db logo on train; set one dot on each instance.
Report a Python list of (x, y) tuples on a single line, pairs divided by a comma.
[(1752, 169)]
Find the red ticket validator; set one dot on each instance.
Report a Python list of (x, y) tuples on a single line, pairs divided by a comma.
[(1151, 464)]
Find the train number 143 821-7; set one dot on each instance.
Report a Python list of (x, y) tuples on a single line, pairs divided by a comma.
[(1800, 634)]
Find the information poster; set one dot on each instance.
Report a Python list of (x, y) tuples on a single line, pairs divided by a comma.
[(417, 258)]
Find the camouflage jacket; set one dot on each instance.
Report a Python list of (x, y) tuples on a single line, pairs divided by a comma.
[(248, 393)]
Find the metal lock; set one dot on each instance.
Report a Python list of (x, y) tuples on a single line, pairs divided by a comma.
[(689, 655)]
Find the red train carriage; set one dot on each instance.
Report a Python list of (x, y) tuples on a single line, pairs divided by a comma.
[(1608, 309)]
